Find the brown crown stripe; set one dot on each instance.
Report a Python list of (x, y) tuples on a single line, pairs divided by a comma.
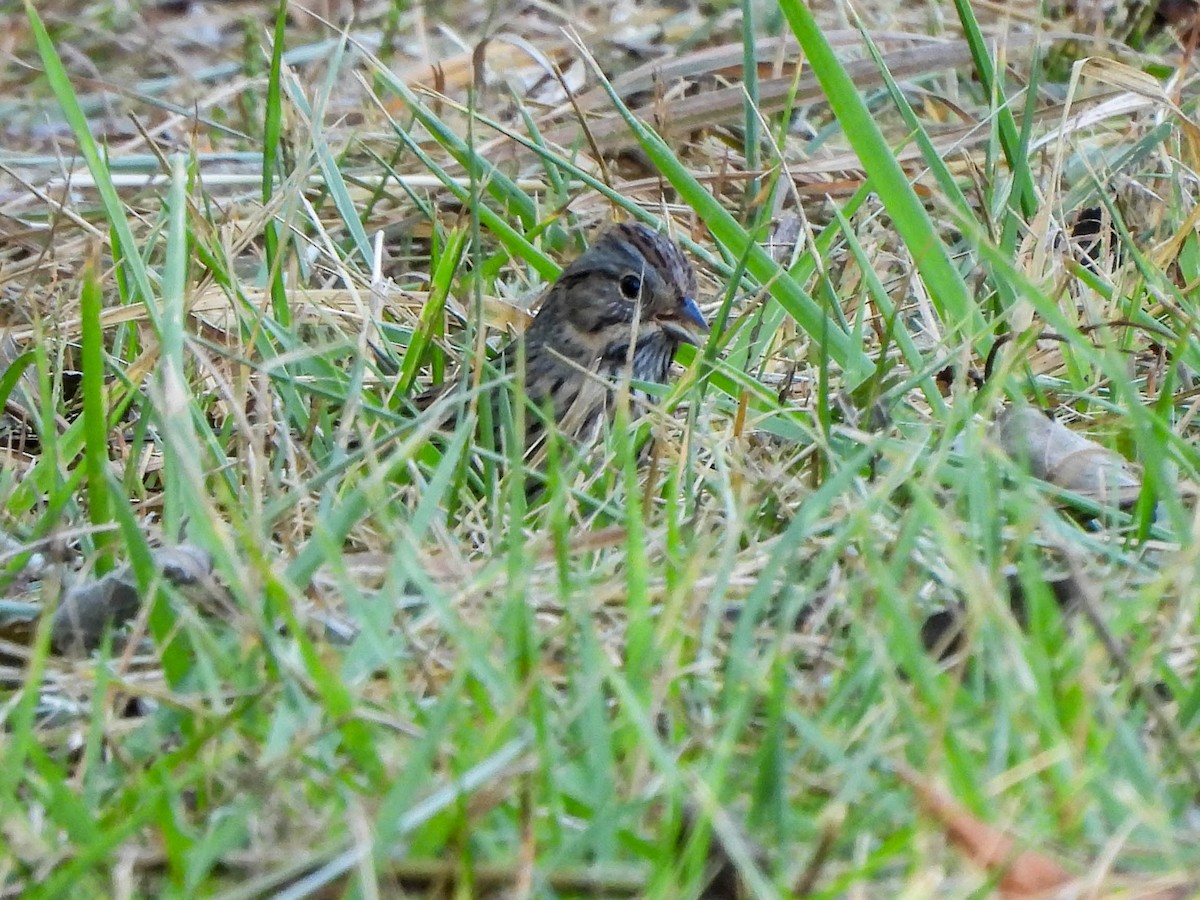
[(663, 254)]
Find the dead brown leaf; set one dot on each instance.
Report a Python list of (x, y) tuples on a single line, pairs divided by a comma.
[(1064, 458), (1023, 873)]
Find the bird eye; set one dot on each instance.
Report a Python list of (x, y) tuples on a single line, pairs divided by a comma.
[(631, 287)]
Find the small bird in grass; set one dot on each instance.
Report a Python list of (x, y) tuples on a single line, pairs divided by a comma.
[(624, 306)]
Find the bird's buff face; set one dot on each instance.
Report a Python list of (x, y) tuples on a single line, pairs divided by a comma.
[(633, 284), (621, 309)]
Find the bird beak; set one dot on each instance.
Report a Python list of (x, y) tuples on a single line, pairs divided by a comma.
[(688, 314), (692, 312)]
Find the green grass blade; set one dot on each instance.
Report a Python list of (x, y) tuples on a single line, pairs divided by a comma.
[(274, 234), (95, 415), (948, 291), (60, 84)]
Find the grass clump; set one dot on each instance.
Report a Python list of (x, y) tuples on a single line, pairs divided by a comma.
[(693, 654)]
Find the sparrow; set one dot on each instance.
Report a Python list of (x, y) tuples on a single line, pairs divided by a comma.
[(621, 309)]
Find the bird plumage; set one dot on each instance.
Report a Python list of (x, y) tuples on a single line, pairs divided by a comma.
[(621, 308)]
